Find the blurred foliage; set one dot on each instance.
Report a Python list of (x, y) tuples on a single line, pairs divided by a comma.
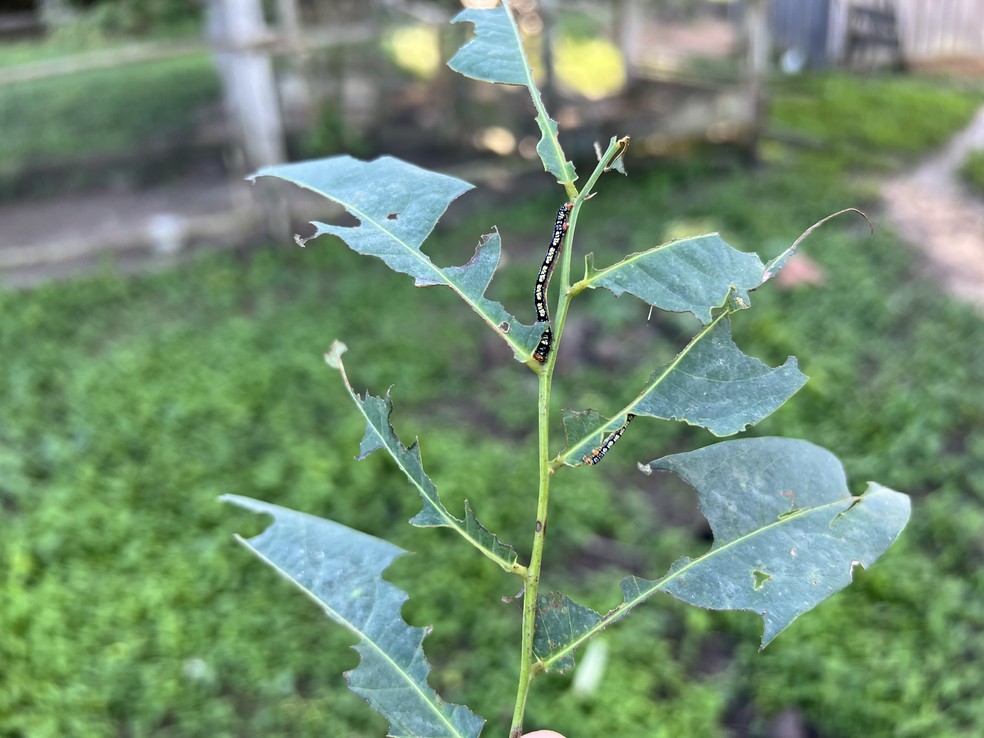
[(875, 122), (102, 26), (331, 134), (972, 171), (140, 17), (130, 404), (103, 111)]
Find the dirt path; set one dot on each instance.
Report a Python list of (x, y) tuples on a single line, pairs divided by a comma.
[(930, 209)]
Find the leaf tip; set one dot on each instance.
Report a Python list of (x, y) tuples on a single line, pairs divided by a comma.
[(247, 503), (333, 357), (646, 469)]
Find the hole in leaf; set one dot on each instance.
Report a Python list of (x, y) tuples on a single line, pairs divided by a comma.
[(392, 216), (760, 578), (504, 326)]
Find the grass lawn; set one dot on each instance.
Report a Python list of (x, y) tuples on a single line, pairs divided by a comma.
[(102, 111), (129, 405)]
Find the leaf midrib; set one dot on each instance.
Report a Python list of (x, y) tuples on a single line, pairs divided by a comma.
[(450, 520), (421, 257), (628, 605), (648, 389), (362, 635)]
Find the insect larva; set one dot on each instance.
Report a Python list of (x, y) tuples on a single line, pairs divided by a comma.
[(598, 454), (561, 224)]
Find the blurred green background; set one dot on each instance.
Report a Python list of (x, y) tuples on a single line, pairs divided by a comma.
[(130, 403)]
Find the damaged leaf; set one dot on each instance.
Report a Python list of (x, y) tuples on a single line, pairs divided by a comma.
[(788, 533), (380, 435), (710, 384), (693, 275), (341, 570), (398, 205), (495, 54), (787, 530)]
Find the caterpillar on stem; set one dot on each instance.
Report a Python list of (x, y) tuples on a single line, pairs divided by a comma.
[(561, 224)]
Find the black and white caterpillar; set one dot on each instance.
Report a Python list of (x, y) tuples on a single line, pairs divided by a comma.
[(542, 349), (598, 454)]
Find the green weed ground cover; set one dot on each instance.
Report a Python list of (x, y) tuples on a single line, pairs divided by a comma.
[(973, 171), (130, 404), (870, 122)]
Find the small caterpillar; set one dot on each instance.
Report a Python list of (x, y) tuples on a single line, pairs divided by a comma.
[(599, 453), (561, 224)]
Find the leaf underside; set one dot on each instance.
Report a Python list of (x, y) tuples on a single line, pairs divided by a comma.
[(341, 570), (379, 434), (398, 205), (495, 54), (693, 275), (710, 384), (787, 535)]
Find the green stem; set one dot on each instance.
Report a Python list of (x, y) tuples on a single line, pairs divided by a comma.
[(536, 558), (527, 668), (615, 146)]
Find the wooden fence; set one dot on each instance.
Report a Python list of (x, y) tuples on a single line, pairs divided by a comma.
[(928, 29), (935, 28)]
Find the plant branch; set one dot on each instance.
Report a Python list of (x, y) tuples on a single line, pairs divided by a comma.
[(545, 379), (615, 147), (536, 558)]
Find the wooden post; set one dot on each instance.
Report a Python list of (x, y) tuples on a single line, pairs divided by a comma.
[(629, 22), (758, 43), (238, 33)]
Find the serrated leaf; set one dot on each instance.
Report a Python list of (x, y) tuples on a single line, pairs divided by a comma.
[(693, 275), (787, 535), (341, 570), (398, 205), (787, 531), (495, 54), (379, 434), (710, 384)]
